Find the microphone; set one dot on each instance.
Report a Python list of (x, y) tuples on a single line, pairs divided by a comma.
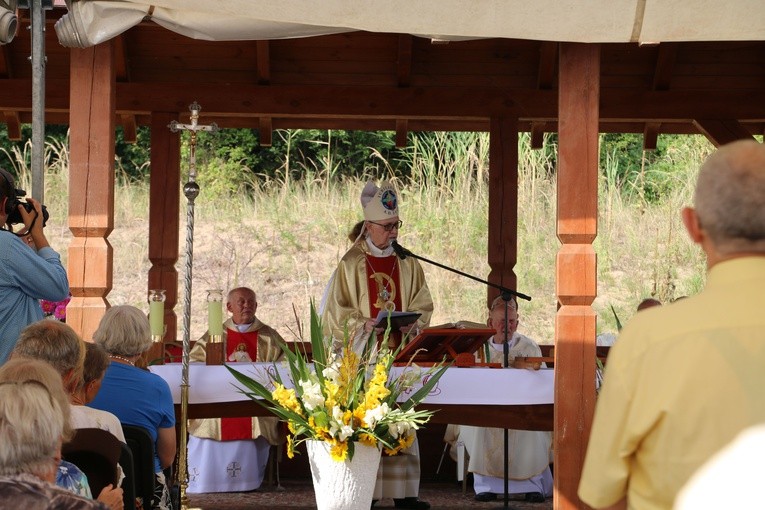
[(400, 250)]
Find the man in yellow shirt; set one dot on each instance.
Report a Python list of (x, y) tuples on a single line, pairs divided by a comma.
[(684, 379)]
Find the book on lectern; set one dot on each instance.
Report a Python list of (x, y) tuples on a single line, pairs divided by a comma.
[(435, 345), (397, 319)]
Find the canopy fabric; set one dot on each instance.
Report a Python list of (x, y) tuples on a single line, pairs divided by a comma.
[(90, 22)]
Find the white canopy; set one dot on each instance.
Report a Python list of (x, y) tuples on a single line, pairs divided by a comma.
[(90, 22)]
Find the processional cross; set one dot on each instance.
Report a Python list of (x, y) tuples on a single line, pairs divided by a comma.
[(191, 190)]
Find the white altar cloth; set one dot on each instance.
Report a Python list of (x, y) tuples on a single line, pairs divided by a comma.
[(477, 386)]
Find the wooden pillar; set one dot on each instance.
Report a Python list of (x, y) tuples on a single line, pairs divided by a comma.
[(576, 265), (164, 203), (503, 203), (91, 185)]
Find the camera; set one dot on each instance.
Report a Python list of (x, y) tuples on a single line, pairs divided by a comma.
[(14, 216), (10, 190)]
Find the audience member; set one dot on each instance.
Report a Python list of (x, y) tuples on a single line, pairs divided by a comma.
[(216, 445), (30, 269), (136, 396), (68, 476), (83, 417), (57, 344), (528, 452), (684, 380), (31, 428)]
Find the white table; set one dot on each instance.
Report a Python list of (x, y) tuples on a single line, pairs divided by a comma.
[(516, 398)]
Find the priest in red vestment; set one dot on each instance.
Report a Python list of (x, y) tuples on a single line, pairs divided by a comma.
[(230, 454)]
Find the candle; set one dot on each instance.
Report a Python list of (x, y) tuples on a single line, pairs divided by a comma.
[(157, 312), (215, 312)]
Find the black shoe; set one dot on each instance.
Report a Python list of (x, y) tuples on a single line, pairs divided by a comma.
[(534, 497), (412, 503), (374, 502), (485, 496)]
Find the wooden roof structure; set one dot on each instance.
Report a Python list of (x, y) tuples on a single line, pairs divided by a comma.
[(148, 75)]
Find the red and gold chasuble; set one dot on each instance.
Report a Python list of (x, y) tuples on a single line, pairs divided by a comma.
[(239, 347), (383, 284)]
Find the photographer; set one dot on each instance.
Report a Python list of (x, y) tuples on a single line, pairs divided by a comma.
[(30, 269)]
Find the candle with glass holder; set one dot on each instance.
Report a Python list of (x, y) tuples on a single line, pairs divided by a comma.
[(157, 298), (214, 349)]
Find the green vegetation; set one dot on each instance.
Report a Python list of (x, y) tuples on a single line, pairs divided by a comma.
[(277, 218)]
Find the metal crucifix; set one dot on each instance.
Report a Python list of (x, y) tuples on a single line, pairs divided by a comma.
[(191, 190)]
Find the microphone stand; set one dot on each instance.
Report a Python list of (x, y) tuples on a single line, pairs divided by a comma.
[(506, 294)]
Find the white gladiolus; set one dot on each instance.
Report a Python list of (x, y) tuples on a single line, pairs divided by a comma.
[(331, 372), (312, 396), (372, 416), (337, 428)]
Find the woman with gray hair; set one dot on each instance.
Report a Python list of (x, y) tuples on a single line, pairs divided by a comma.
[(136, 396), (32, 424)]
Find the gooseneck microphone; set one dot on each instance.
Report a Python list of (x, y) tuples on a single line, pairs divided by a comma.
[(401, 252)]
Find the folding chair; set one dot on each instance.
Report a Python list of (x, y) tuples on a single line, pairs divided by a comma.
[(96, 452)]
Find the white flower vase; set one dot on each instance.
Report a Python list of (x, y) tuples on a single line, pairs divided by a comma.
[(347, 485)]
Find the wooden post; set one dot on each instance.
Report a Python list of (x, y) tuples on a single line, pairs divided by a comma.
[(576, 265), (164, 204), (91, 185), (503, 204)]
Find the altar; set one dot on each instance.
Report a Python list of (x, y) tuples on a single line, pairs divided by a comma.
[(513, 398)]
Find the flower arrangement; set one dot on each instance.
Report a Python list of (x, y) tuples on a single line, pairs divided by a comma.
[(55, 309), (344, 398)]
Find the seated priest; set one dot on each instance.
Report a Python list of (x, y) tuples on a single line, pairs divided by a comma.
[(230, 454), (528, 452)]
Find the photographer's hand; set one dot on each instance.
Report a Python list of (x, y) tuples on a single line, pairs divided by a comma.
[(33, 222)]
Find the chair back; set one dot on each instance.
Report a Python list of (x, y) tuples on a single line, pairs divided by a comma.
[(96, 452), (128, 483), (142, 448)]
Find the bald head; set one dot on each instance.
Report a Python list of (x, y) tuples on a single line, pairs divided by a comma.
[(729, 197)]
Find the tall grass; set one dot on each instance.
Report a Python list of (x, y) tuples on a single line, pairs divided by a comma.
[(283, 236)]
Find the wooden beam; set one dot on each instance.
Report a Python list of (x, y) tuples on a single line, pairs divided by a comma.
[(393, 102), (576, 265), (263, 62), (5, 64), (722, 131), (537, 135), (651, 135), (129, 130), (121, 58), (404, 66), (665, 64), (91, 173), (266, 132), (13, 125), (402, 131), (548, 57), (503, 204), (164, 204)]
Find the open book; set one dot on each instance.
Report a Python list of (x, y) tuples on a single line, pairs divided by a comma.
[(397, 319)]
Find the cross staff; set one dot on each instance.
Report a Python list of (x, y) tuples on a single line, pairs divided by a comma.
[(191, 190)]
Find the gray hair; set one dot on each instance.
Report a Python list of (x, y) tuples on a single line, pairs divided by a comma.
[(54, 342), (32, 421), (499, 303), (21, 369), (124, 331), (729, 197), (30, 429)]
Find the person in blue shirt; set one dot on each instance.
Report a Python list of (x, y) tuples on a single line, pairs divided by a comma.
[(30, 269), (134, 395)]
